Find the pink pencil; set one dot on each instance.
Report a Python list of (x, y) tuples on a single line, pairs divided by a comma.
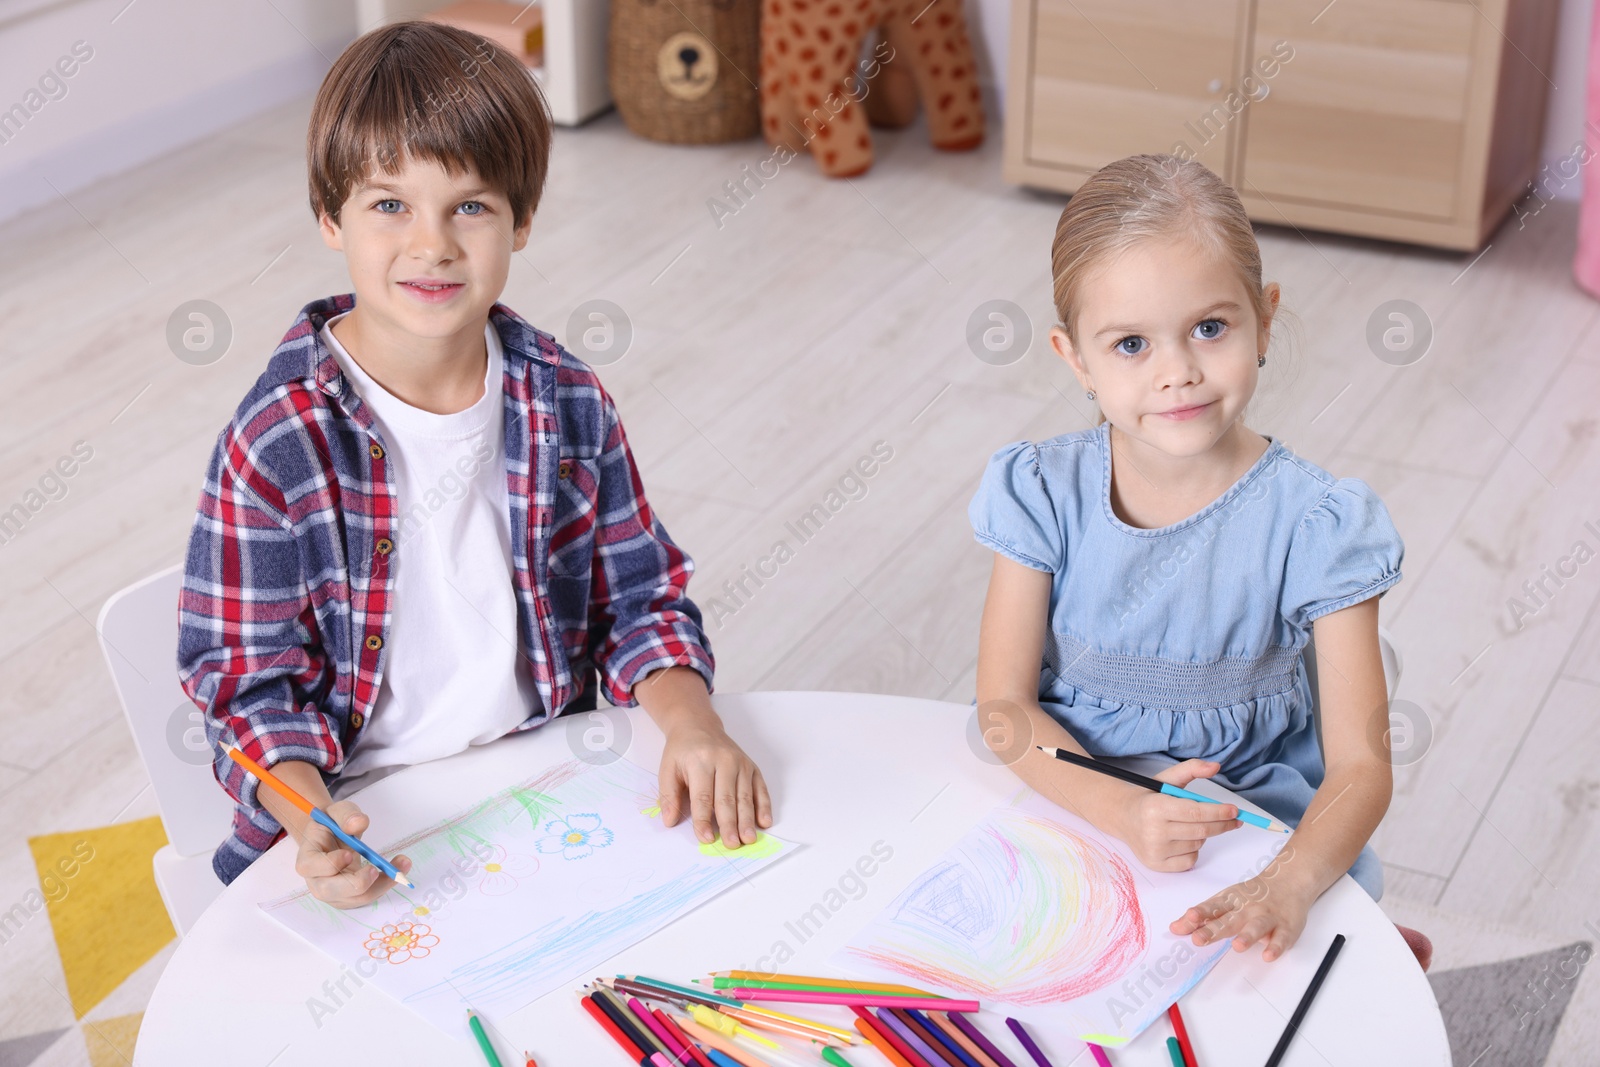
[(806, 996), (1099, 1054)]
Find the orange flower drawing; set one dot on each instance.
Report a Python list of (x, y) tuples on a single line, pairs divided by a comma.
[(401, 941)]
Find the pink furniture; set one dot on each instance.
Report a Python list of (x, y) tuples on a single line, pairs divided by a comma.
[(1586, 265)]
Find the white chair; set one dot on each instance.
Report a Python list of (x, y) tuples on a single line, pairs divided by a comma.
[(139, 639)]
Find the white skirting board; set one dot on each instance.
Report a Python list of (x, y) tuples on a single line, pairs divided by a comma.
[(574, 73)]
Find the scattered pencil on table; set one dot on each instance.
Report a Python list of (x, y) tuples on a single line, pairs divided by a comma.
[(1099, 1054), (483, 1039), (872, 1000), (1306, 998), (969, 1028), (1175, 1052), (1028, 1043), (360, 847), (531, 1061), (1155, 786), (1181, 1032)]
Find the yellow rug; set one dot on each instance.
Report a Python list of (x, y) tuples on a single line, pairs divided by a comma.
[(105, 910), (110, 1041)]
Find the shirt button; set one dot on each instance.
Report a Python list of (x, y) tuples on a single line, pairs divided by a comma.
[(356, 719), (384, 546), (374, 642), (564, 469), (375, 450)]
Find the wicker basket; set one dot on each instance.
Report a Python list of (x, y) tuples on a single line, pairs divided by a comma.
[(686, 71)]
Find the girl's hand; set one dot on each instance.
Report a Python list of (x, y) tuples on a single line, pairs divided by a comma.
[(720, 779), (1265, 907), (1166, 832), (333, 872)]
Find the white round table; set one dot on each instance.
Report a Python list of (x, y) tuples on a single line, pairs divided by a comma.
[(847, 771)]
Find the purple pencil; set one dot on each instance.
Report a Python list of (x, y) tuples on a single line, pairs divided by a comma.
[(961, 1023), (1028, 1043), (910, 1037)]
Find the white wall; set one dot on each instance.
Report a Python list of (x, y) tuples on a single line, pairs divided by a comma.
[(161, 73), (990, 23)]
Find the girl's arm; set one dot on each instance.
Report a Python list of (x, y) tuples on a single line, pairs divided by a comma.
[(1164, 832), (1347, 807)]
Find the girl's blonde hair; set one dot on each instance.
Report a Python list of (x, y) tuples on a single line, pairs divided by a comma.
[(1150, 196)]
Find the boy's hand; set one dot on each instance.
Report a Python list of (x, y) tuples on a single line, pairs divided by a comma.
[(333, 872), (1265, 907), (1166, 832), (721, 781)]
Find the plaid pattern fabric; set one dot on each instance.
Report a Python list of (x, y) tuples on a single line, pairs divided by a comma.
[(288, 595)]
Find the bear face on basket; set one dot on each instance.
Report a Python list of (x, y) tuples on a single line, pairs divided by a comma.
[(684, 71)]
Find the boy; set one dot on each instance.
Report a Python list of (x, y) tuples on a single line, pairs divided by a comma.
[(423, 527)]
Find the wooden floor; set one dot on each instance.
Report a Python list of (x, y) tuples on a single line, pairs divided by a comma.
[(770, 352)]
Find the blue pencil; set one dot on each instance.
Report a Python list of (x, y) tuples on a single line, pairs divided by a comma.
[(1155, 786)]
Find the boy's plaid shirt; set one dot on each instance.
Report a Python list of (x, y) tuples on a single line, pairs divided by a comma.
[(287, 591)]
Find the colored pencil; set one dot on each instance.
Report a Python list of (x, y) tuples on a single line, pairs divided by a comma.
[(610, 1028), (1028, 1043), (322, 818), (678, 997), (681, 992), (805, 1032), (531, 1061), (891, 1037), (713, 1040), (914, 1040), (684, 1039), (795, 1020), (727, 1025), (483, 1039), (939, 1041), (676, 1052), (821, 986), (879, 1041), (959, 1036), (722, 1059), (758, 979), (968, 1027), (1175, 1052), (1155, 786), (1182, 1033), (832, 1057), (1099, 1054), (875, 1000), (608, 1003), (1306, 998)]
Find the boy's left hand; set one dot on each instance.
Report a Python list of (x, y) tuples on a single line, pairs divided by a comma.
[(1263, 908), (724, 785)]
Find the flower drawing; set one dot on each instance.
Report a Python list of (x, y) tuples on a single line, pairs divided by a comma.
[(401, 941), (503, 871), (574, 837)]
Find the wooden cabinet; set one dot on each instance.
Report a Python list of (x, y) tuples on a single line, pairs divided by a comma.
[(1412, 120)]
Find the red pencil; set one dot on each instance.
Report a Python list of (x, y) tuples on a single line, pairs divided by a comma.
[(1182, 1033), (617, 1035)]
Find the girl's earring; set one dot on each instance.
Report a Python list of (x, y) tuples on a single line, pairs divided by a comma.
[(1090, 394), (1261, 359)]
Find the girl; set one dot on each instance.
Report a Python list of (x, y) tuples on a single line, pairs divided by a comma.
[(1156, 577)]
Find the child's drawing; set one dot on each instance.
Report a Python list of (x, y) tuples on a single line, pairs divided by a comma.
[(1036, 910), (401, 941), (575, 837), (500, 916)]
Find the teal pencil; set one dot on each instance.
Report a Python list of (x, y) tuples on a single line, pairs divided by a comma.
[(1155, 786), (1175, 1050)]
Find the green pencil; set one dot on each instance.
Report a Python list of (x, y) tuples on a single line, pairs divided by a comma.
[(1175, 1050), (483, 1039), (834, 1058)]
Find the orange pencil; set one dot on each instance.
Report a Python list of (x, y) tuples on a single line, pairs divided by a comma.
[(871, 1034), (355, 844)]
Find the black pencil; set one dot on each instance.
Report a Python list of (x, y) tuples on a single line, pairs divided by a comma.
[(1304, 1006), (1155, 785)]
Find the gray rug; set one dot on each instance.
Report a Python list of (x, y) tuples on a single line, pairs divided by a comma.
[(1506, 1014), (21, 1051)]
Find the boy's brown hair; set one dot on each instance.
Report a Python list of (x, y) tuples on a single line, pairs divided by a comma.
[(430, 92)]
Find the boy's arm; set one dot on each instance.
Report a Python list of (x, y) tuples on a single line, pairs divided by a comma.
[(247, 651), (637, 601)]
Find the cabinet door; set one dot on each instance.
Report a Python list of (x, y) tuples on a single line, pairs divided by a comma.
[(1370, 110), (1113, 78)]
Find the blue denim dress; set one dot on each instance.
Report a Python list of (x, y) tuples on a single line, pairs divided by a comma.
[(1186, 640)]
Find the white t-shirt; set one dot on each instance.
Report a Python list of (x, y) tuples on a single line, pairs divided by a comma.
[(453, 676)]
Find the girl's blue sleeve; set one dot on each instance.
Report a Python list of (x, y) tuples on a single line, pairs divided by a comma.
[(1012, 512), (1344, 551)]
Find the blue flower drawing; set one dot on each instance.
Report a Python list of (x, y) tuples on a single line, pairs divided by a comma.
[(574, 837)]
